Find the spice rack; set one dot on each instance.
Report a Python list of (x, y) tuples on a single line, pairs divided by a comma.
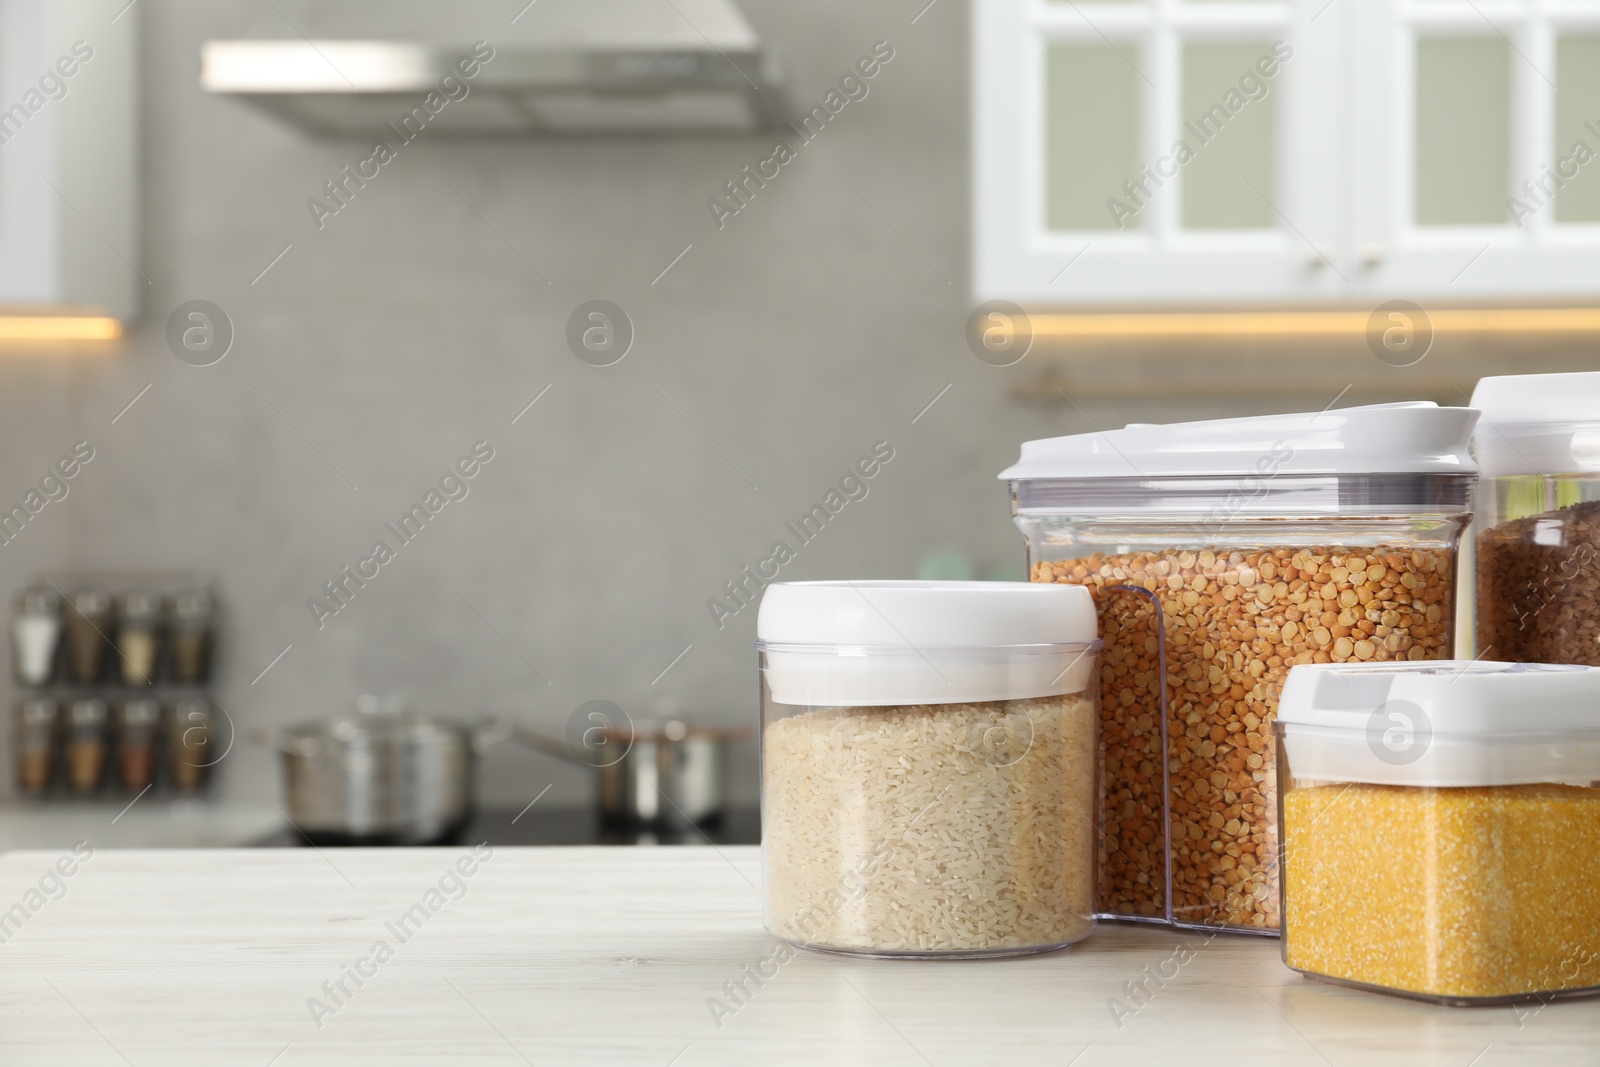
[(113, 670)]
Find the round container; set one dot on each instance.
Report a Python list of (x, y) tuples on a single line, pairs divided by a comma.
[(193, 617), (1537, 535), (38, 729), (189, 734), (139, 638), (1220, 554), (927, 766), (35, 636), (88, 633), (88, 744), (1441, 828), (138, 736)]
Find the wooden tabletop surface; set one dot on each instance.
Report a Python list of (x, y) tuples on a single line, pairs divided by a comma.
[(630, 956)]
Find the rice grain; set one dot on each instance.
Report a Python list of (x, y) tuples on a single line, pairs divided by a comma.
[(931, 828)]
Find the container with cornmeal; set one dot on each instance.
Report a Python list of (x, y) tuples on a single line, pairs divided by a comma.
[(1440, 828)]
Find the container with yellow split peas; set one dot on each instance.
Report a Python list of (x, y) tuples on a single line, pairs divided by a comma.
[(1219, 555), (1440, 828)]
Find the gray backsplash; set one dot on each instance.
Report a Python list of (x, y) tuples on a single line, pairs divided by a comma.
[(821, 319)]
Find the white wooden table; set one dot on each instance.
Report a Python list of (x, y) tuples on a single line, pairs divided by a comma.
[(149, 823), (610, 956)]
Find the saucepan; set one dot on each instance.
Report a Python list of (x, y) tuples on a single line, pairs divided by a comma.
[(384, 775), (659, 773)]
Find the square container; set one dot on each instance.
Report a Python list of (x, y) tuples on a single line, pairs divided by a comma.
[(1441, 828), (1220, 554), (1537, 534), (927, 766)]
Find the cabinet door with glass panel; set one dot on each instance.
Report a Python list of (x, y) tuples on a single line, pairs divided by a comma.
[(1477, 147), (1253, 152), (1170, 151)]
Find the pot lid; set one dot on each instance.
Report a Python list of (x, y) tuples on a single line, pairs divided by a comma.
[(1407, 438), (376, 720), (671, 730)]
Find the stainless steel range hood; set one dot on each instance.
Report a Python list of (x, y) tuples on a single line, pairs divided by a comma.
[(557, 67)]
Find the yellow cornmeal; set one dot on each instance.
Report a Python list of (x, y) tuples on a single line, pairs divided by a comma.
[(1465, 892)]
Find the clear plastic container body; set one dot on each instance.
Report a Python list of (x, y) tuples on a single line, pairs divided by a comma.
[(932, 829), (1251, 576), (1457, 895), (1537, 548)]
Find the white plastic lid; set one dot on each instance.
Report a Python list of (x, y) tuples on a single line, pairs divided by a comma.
[(1538, 424), (880, 643), (1410, 438), (1442, 723)]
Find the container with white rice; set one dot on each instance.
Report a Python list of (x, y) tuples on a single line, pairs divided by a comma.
[(928, 799)]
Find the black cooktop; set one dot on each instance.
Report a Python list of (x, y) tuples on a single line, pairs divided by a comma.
[(577, 826)]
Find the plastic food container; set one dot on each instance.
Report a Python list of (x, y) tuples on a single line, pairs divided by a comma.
[(1441, 828), (1220, 554), (1537, 535), (927, 766)]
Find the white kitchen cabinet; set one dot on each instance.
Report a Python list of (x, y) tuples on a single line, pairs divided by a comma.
[(1497, 94), (1285, 152), (68, 173)]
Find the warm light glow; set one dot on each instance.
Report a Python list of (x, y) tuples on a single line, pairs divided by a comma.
[(59, 328), (1170, 324)]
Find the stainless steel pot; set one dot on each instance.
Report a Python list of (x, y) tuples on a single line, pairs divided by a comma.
[(384, 775), (662, 774)]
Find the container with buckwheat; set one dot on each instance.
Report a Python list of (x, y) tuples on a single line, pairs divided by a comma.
[(1538, 520)]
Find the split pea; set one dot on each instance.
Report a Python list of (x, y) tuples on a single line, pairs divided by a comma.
[(1235, 621)]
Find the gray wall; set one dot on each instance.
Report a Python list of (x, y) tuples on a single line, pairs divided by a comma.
[(408, 328)]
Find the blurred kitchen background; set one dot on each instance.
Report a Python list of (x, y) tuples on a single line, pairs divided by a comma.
[(834, 311)]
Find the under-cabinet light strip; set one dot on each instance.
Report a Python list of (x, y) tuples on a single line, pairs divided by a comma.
[(1443, 320), (59, 328)]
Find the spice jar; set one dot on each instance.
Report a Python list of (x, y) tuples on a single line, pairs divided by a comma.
[(1441, 828), (1537, 534), (1220, 554), (189, 757), (88, 636), (36, 635), (38, 724), (138, 741), (191, 637), (927, 754), (87, 745), (139, 638)]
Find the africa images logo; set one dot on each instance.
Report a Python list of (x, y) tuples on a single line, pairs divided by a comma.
[(1399, 732)]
